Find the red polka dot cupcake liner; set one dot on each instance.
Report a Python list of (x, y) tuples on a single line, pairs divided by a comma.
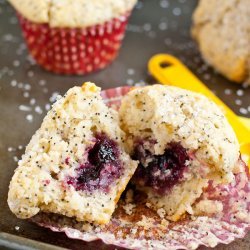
[(74, 50), (149, 232)]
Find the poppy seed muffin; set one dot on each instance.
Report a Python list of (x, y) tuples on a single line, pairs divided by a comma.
[(73, 36), (182, 141), (222, 31), (75, 164)]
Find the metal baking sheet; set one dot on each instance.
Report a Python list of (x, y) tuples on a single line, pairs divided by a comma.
[(26, 92)]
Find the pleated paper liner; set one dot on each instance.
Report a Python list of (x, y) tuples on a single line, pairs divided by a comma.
[(74, 50)]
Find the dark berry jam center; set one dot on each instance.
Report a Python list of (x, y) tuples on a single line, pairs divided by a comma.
[(161, 172), (104, 151), (102, 167)]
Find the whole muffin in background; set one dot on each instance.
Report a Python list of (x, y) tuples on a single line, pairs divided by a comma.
[(222, 30), (73, 37)]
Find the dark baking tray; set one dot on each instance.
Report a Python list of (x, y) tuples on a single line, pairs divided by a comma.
[(156, 26)]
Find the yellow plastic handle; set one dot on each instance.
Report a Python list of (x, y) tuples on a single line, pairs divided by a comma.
[(169, 70), (245, 121)]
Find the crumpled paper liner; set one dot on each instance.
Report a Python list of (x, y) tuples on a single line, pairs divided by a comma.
[(134, 225)]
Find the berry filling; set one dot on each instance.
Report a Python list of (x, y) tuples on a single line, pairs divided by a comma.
[(102, 167), (160, 172)]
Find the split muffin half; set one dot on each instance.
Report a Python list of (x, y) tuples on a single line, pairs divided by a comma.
[(182, 141), (75, 164)]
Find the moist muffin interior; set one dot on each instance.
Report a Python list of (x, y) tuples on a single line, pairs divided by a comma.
[(102, 167)]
